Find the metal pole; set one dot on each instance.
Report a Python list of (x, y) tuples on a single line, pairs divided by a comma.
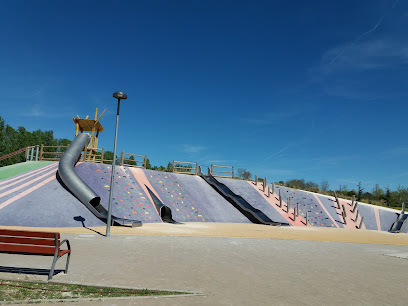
[(36, 152), (108, 224)]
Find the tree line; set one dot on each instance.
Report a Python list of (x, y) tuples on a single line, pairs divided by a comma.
[(12, 140), (377, 196)]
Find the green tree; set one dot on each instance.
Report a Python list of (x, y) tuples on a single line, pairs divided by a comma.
[(244, 174), (359, 191)]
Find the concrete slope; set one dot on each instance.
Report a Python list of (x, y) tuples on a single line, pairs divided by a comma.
[(191, 199), (248, 192), (129, 199), (37, 199), (21, 168)]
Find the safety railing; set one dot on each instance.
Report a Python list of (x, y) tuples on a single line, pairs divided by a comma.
[(185, 167), (219, 173)]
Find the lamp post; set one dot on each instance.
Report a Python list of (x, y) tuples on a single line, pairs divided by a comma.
[(120, 95)]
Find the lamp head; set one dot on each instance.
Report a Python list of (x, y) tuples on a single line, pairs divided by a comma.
[(120, 95)]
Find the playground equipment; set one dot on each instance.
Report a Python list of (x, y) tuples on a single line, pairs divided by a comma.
[(93, 126)]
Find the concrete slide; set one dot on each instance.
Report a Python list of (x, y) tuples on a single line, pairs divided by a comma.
[(253, 214), (164, 211), (77, 186)]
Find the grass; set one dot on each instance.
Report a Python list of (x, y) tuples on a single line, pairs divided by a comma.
[(30, 291)]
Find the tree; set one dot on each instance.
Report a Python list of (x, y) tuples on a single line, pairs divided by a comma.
[(244, 174), (148, 165), (359, 191), (324, 185)]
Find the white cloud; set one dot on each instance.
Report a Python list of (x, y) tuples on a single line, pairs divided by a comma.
[(364, 56), (187, 148)]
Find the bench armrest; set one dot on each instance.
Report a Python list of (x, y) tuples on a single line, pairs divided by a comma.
[(67, 242)]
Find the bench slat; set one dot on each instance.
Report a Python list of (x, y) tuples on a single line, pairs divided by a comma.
[(26, 248), (33, 241), (6, 232)]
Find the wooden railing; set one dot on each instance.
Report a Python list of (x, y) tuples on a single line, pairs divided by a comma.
[(178, 167), (95, 155), (132, 162), (51, 156), (13, 153), (216, 172)]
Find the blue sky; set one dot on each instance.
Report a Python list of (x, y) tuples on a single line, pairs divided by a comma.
[(285, 89)]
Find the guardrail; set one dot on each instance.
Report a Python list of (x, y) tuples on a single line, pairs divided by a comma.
[(215, 171), (132, 162), (178, 165)]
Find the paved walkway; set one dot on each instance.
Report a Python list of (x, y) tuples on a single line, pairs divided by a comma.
[(231, 270)]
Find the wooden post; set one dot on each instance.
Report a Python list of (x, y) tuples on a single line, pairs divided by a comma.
[(41, 151), (355, 219), (269, 192), (196, 168), (212, 168), (273, 188), (280, 199), (344, 211), (307, 217), (403, 209), (145, 161), (352, 201), (297, 210), (361, 223), (337, 200), (354, 208), (288, 203), (233, 172), (173, 165), (344, 217), (294, 214), (84, 157), (256, 180), (264, 184), (122, 158), (102, 154)]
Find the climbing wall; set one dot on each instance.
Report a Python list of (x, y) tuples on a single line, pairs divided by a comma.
[(129, 199), (191, 199)]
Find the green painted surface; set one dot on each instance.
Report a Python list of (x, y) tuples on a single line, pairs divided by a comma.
[(16, 169)]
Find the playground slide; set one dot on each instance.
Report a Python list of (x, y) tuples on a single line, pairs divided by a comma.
[(77, 186), (253, 214), (164, 211), (400, 224)]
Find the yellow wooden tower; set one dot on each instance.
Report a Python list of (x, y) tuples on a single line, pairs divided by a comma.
[(93, 126)]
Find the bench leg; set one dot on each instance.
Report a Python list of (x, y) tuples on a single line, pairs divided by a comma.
[(66, 266), (52, 267)]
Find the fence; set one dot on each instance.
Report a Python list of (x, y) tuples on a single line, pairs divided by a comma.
[(95, 155), (132, 162), (216, 172), (179, 168)]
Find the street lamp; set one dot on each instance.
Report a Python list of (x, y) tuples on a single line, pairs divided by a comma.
[(120, 95)]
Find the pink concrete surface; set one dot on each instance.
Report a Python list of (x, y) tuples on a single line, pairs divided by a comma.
[(143, 182), (377, 218)]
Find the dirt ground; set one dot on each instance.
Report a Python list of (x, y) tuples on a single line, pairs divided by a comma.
[(241, 231)]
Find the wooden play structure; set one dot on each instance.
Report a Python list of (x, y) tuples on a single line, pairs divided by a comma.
[(93, 126)]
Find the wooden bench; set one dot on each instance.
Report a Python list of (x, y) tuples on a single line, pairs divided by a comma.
[(34, 243)]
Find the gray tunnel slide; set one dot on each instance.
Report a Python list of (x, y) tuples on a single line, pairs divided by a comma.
[(252, 213), (77, 186)]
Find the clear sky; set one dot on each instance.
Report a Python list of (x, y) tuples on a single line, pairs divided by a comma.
[(285, 89)]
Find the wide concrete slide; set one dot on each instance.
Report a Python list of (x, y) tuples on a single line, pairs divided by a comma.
[(253, 214), (77, 186)]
